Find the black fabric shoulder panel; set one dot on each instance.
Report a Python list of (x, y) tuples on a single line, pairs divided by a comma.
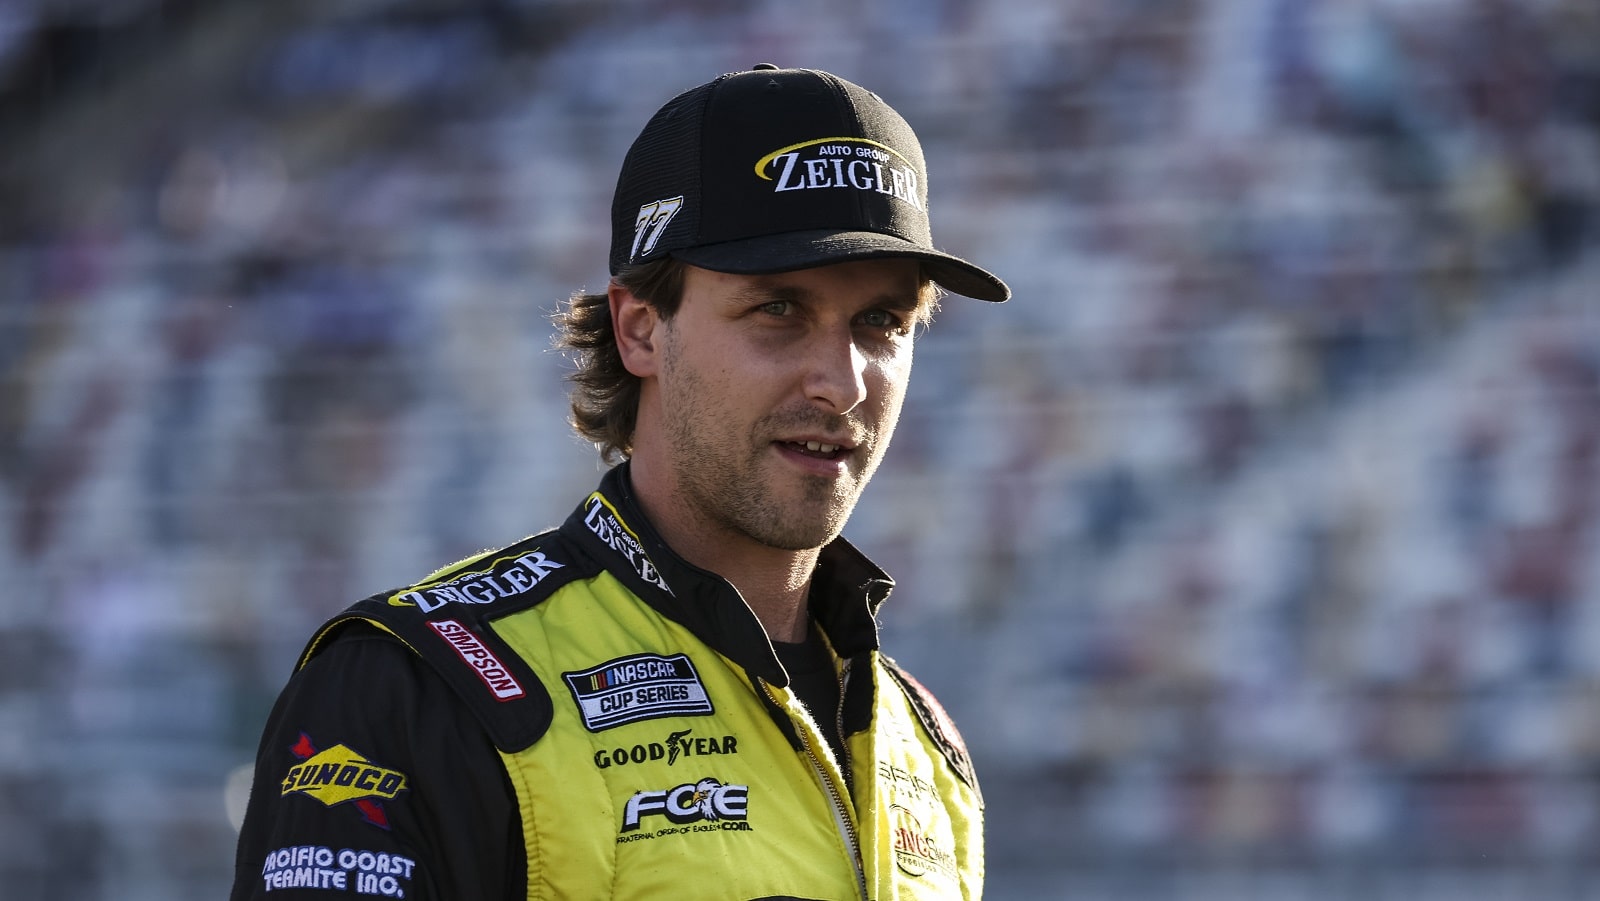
[(940, 727), (446, 621), (499, 689)]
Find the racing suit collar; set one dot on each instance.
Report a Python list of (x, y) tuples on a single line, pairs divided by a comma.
[(846, 588)]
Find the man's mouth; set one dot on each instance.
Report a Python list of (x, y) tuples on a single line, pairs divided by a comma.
[(817, 449)]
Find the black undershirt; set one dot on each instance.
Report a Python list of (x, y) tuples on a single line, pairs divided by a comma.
[(815, 682)]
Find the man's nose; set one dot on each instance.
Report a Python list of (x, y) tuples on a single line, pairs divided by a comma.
[(836, 368)]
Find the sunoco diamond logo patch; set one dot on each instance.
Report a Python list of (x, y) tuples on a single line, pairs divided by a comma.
[(339, 775)]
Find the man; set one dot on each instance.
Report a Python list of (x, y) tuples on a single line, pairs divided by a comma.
[(678, 692)]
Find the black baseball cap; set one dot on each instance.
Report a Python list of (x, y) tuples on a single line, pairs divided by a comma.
[(777, 169)]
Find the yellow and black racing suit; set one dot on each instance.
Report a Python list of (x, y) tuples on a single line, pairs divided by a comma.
[(586, 715)]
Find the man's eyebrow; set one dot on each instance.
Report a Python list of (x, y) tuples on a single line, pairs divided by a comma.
[(899, 301), (767, 292), (759, 292)]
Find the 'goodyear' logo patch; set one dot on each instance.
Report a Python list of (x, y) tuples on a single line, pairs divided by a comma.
[(339, 775)]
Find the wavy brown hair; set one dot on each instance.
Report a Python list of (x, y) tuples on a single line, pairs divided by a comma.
[(605, 395)]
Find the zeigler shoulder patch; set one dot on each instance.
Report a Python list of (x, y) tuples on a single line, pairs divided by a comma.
[(486, 580), (447, 620)]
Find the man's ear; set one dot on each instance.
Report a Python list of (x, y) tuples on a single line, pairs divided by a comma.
[(635, 324)]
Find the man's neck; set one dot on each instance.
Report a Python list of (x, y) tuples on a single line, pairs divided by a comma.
[(774, 582), (776, 594)]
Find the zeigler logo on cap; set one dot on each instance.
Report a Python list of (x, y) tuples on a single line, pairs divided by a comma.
[(844, 162)]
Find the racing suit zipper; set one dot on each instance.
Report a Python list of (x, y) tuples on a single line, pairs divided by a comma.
[(836, 799), (838, 726)]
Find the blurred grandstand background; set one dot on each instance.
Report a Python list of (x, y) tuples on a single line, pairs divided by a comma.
[(1267, 510)]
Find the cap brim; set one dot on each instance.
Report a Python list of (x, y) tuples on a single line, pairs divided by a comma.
[(805, 249)]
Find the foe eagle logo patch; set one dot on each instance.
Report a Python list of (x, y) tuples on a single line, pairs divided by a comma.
[(705, 801)]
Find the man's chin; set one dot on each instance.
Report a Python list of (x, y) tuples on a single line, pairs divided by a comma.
[(804, 533), (791, 541)]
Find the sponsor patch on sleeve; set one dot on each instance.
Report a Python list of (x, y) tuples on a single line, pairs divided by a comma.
[(477, 655), (635, 688), (339, 775), (349, 870)]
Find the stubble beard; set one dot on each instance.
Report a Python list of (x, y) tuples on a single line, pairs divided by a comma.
[(734, 488)]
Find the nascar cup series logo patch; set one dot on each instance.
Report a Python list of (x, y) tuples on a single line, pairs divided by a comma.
[(635, 688), (339, 775)]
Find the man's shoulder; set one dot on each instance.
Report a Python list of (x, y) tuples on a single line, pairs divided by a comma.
[(936, 722), (444, 618), (492, 583)]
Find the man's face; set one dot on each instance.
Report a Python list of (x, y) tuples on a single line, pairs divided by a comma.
[(778, 394)]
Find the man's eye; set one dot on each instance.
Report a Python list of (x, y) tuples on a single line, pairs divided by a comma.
[(775, 307), (881, 319)]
